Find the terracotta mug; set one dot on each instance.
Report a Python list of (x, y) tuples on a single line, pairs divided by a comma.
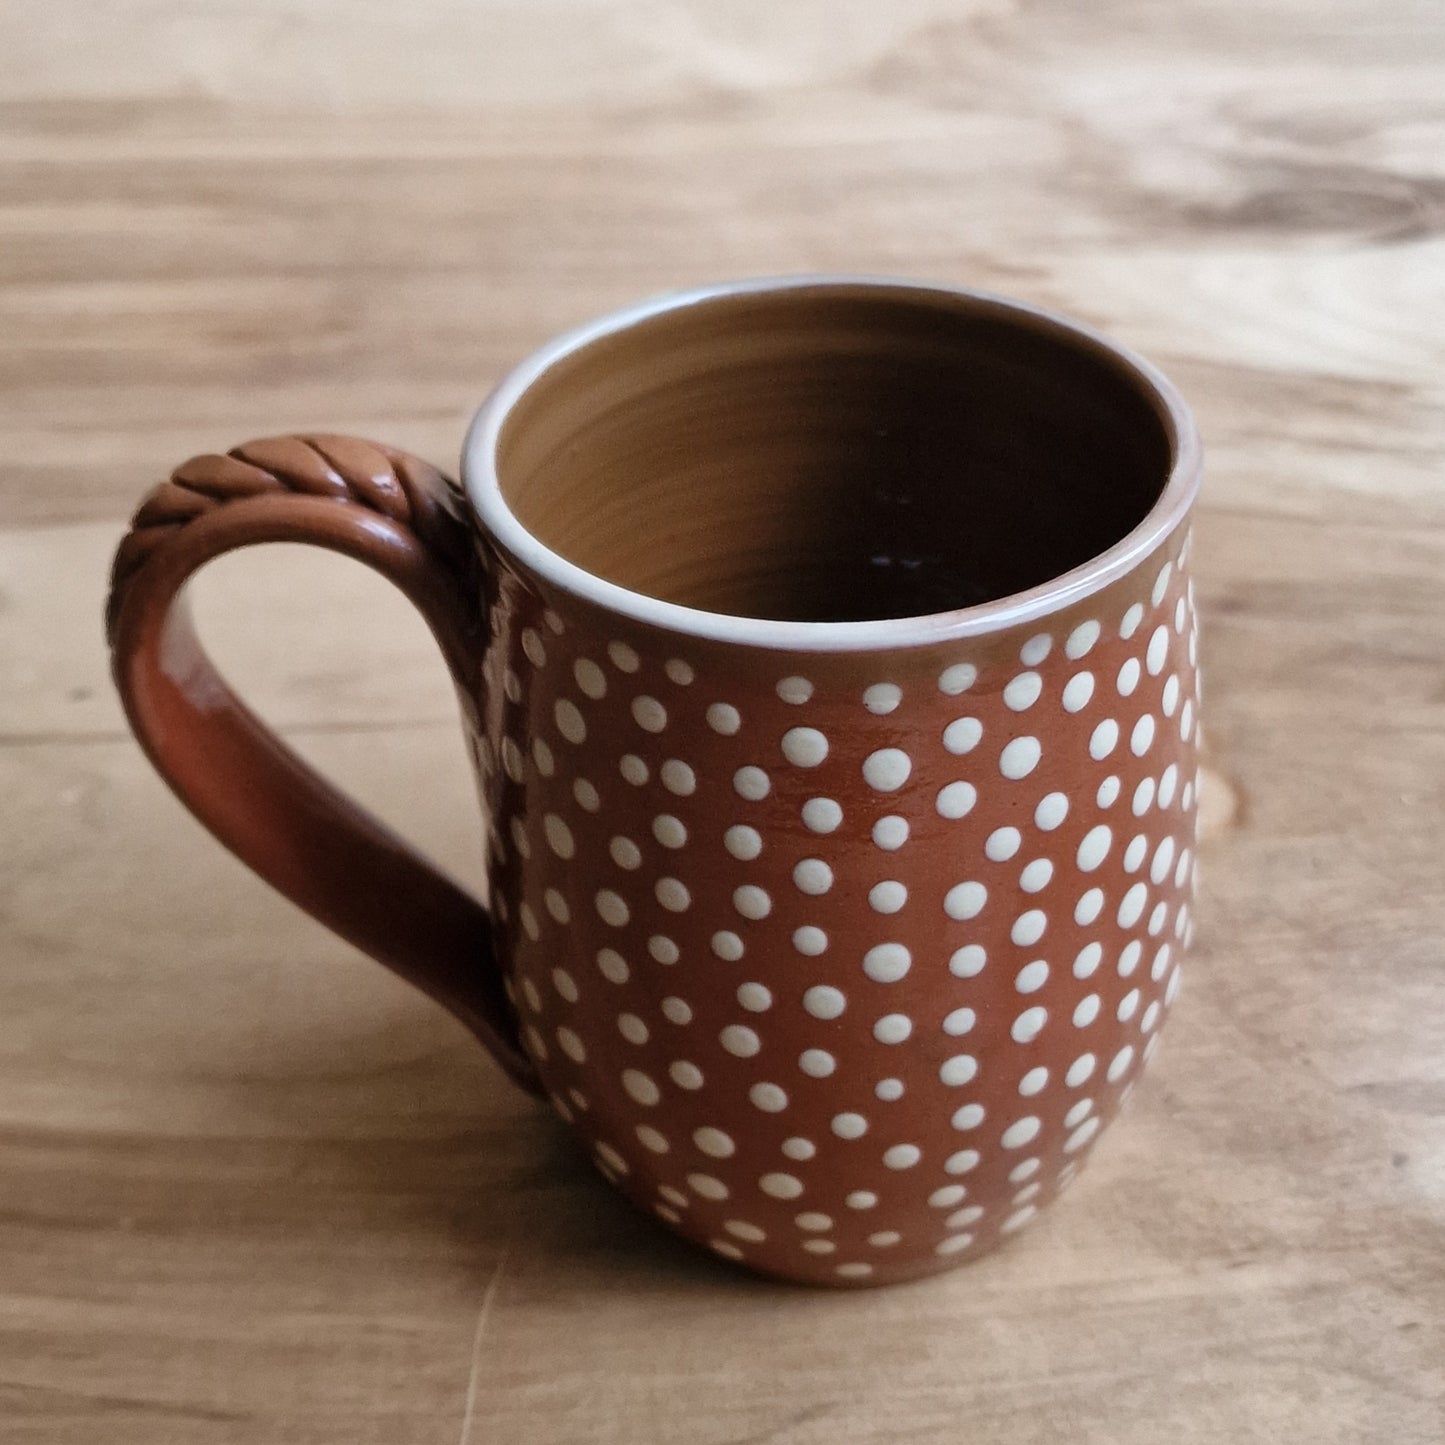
[(826, 650)]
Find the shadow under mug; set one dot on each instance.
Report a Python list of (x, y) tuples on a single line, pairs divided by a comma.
[(826, 650)]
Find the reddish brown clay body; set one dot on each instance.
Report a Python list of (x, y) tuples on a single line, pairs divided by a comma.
[(837, 948)]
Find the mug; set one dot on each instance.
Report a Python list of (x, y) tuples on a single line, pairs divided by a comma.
[(827, 653)]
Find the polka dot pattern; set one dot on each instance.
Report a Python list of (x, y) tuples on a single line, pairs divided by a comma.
[(841, 966)]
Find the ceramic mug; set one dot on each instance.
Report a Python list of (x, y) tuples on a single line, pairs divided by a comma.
[(826, 650)]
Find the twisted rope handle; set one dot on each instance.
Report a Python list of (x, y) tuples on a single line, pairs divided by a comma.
[(406, 520)]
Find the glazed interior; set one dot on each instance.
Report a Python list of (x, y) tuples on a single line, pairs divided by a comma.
[(833, 453)]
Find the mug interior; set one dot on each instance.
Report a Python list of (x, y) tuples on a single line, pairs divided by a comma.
[(835, 452)]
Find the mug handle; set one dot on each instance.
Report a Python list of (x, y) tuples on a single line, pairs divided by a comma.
[(406, 520)]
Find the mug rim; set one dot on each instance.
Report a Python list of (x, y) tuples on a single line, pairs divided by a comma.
[(482, 486)]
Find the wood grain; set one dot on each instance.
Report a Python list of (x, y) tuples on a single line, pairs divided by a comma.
[(251, 1190)]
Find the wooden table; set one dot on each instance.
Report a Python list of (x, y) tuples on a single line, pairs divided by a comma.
[(254, 1190)]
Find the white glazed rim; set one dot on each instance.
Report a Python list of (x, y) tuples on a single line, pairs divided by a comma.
[(483, 489)]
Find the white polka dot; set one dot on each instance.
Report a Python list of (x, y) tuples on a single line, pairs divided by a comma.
[(654, 1140), (1081, 639), (1170, 699), (1036, 875), (679, 671), (886, 770), (529, 992), (1181, 870), (532, 646), (546, 763), (1036, 649), (1135, 853), (954, 1244), (1053, 808), (613, 966), (854, 1271), (795, 690), (890, 833), (884, 1238), (625, 853), (707, 1186), (1119, 1064), (1143, 797), (673, 894), (800, 1149), (724, 718), (1132, 908), (824, 1001), (677, 1011), (752, 901), (821, 815), (727, 945), (947, 1196), (1020, 757), (1128, 1006), (1095, 847), (965, 900), (557, 906), (1002, 844), (678, 778), (1151, 1017), (633, 769), (714, 1142), (810, 941), (513, 763), (812, 876), (956, 800), (589, 677), (889, 1090), (960, 1218), (962, 735), (882, 698), (1078, 1113), (685, 1075), (1128, 677), (817, 1063), (669, 831), (887, 897), (1171, 989), (586, 795), (813, 1221), (1024, 1169), (530, 926), (1108, 793), (892, 1028), (1018, 1219), (641, 1087), (849, 1126), (781, 1186), (1089, 906), (572, 1045), (1029, 1024), (649, 714), (1142, 738), (1090, 956), (1080, 1071), (664, 950), (633, 1029), (820, 1246), (624, 659), (1163, 860), (886, 962), (1129, 958), (861, 1199), (755, 997), (751, 783), (1158, 651), (1032, 976), (725, 1248), (569, 720), (1034, 1082), (740, 1041), (612, 1158), (1077, 691), (1181, 615), (1160, 966), (959, 1021), (804, 747), (1023, 691), (969, 1116), (1104, 739), (968, 961), (769, 1098), (1161, 583), (1081, 1136), (612, 908), (741, 1229), (958, 678), (1086, 1011), (559, 836), (743, 842), (1132, 618), (1168, 781), (1021, 1132), (959, 1070), (512, 686), (1029, 927), (902, 1156)]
